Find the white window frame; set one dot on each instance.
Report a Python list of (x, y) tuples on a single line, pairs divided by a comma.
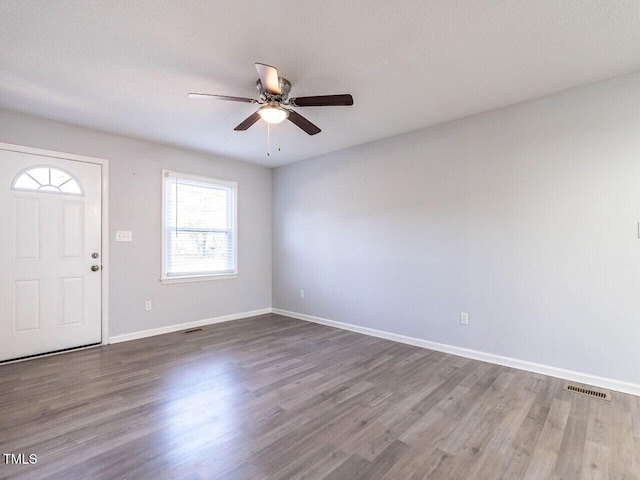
[(207, 276)]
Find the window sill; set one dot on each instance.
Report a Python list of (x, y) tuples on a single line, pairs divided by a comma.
[(197, 278)]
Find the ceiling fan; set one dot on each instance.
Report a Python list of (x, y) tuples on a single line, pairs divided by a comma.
[(274, 97)]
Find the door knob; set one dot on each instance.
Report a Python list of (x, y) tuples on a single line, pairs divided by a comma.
[(95, 268)]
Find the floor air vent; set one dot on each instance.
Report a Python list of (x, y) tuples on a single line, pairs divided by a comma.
[(192, 330), (604, 395)]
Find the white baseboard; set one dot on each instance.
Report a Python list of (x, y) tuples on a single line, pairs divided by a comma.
[(184, 326), (585, 378)]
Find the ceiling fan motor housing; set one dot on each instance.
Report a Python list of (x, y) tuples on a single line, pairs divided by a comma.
[(285, 88)]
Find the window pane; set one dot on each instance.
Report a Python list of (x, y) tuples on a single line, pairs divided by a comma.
[(198, 206), (26, 182), (40, 175), (58, 177), (200, 252)]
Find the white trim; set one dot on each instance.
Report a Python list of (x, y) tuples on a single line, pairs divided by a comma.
[(105, 252), (104, 163), (184, 326), (602, 382), (50, 153), (198, 278)]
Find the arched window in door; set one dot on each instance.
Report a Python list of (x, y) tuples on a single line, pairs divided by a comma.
[(47, 178)]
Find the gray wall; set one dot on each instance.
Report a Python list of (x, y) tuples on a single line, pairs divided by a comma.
[(525, 217), (135, 204)]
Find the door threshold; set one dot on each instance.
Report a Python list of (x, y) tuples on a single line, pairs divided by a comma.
[(49, 354)]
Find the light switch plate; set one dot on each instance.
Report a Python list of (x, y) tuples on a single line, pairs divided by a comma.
[(124, 236)]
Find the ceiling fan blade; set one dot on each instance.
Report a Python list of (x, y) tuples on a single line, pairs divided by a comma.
[(250, 120), (269, 78), (303, 123), (222, 97), (322, 101)]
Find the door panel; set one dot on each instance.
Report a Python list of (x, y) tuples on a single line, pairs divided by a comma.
[(51, 225), (27, 230), (26, 306), (72, 299), (72, 236)]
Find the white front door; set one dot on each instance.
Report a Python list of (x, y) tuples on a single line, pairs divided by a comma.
[(50, 254)]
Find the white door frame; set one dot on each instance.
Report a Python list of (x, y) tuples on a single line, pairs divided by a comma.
[(105, 217)]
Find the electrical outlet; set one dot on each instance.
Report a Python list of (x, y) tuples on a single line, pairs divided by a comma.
[(147, 305), (301, 293), (464, 318)]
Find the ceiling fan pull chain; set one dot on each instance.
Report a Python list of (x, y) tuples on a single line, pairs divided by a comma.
[(278, 137), (268, 139)]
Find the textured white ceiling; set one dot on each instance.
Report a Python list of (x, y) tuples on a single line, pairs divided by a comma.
[(126, 66)]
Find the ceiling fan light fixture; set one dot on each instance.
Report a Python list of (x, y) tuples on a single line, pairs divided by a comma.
[(273, 114)]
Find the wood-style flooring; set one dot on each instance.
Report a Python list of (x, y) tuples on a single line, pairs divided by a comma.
[(275, 398)]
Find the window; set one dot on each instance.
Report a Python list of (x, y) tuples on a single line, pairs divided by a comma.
[(199, 228), (47, 178)]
